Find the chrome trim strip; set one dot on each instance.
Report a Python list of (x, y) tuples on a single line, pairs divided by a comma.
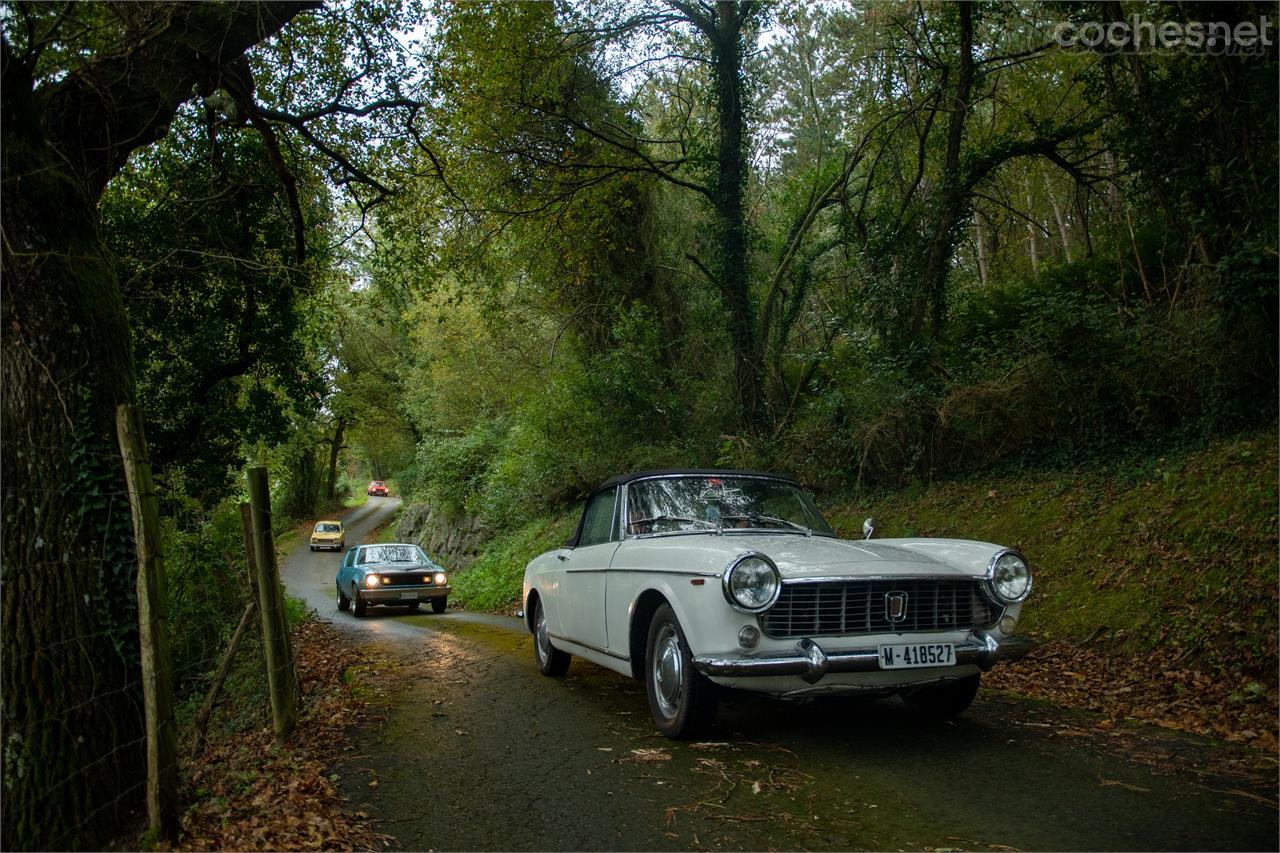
[(591, 646), (954, 576), (665, 572), (811, 662)]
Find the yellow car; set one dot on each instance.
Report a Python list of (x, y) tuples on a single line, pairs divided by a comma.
[(328, 535)]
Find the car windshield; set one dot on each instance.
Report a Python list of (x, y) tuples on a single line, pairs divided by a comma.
[(729, 503), (392, 554), (328, 527)]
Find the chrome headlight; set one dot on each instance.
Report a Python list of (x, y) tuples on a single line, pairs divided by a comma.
[(1009, 576), (371, 581), (751, 583)]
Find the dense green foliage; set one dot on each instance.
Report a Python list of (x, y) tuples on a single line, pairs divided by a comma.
[(1052, 268)]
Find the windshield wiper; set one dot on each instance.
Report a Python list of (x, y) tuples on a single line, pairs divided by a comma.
[(711, 525), (754, 517)]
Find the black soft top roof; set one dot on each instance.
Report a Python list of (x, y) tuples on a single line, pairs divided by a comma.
[(692, 472)]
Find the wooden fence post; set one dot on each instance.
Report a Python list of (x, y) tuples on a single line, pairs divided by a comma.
[(282, 679), (153, 627), (215, 686), (246, 529)]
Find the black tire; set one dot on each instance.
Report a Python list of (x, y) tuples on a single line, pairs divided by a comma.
[(439, 604), (944, 700), (550, 660), (358, 607), (313, 549), (682, 701), (344, 603)]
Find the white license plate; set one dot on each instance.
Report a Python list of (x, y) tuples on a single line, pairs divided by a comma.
[(910, 655), (411, 596)]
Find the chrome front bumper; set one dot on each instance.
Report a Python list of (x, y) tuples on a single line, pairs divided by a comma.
[(391, 595), (811, 662)]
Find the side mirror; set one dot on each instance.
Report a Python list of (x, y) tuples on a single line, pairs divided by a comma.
[(868, 528)]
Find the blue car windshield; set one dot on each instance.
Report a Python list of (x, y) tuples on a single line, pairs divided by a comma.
[(392, 554), (687, 503)]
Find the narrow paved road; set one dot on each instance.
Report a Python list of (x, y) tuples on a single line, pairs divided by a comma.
[(478, 751)]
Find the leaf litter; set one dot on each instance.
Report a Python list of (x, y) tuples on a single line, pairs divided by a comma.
[(241, 793)]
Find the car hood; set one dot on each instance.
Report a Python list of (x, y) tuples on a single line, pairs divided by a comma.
[(798, 556), (316, 535), (397, 567)]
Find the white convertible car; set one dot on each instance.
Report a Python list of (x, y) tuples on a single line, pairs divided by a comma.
[(695, 580)]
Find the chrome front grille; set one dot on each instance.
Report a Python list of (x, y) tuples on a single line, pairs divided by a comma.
[(850, 607)]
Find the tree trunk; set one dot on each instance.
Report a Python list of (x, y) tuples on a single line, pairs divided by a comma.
[(980, 240), (955, 195), (729, 189), (1033, 233), (1058, 217), (335, 447), (71, 711)]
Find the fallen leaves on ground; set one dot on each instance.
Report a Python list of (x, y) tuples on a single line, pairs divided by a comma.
[(1153, 687), (241, 793), (646, 756)]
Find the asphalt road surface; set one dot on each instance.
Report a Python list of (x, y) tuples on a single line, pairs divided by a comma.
[(476, 750)]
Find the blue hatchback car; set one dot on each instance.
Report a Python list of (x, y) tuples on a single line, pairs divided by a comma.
[(393, 574)]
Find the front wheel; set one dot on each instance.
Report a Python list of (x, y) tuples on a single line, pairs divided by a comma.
[(438, 604), (358, 607), (551, 661), (682, 701), (344, 603), (943, 701)]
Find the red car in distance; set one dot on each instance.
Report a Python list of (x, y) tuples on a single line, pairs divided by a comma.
[(378, 488)]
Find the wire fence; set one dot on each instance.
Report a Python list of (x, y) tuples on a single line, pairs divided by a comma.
[(91, 685)]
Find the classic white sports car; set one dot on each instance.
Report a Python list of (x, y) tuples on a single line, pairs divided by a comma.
[(693, 580)]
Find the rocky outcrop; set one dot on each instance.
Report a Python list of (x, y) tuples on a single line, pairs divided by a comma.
[(451, 542)]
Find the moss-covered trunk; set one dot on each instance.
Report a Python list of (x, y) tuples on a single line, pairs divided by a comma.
[(72, 715)]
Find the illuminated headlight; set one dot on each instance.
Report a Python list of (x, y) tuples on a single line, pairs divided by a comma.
[(440, 578), (371, 581), (751, 583), (1009, 577)]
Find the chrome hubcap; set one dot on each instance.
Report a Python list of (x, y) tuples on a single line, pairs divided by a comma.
[(668, 671), (542, 642)]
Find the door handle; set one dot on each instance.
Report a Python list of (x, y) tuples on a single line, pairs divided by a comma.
[(562, 558)]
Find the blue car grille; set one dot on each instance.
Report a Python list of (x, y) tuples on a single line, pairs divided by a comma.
[(844, 608)]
